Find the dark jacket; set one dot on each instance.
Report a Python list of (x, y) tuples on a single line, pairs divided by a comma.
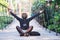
[(24, 23)]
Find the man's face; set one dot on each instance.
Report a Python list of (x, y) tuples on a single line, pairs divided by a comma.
[(24, 15)]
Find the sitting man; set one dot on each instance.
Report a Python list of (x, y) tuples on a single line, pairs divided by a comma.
[(24, 28)]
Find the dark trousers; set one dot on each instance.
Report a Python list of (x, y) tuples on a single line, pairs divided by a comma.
[(20, 31)]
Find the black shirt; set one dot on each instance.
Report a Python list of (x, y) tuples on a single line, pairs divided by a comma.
[(24, 23)]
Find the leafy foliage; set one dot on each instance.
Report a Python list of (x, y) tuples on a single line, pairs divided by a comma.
[(4, 18), (3, 3), (53, 21), (57, 1), (37, 5), (4, 21)]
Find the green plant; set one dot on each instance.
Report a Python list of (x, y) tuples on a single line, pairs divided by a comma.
[(51, 27), (52, 16), (36, 6), (57, 29), (4, 21), (57, 1)]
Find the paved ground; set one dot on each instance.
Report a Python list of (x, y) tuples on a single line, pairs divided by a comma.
[(10, 33)]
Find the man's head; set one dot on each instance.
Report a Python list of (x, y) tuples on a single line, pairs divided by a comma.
[(24, 15)]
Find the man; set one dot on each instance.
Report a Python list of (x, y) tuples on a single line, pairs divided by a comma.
[(24, 28)]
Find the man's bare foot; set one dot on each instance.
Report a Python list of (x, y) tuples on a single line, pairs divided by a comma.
[(26, 34)]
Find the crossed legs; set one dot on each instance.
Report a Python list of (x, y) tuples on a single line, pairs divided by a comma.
[(21, 32)]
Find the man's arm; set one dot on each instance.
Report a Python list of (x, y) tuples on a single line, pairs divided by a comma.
[(10, 11), (36, 15), (15, 15)]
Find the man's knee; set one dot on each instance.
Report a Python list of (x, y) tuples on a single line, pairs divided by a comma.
[(31, 27), (19, 29)]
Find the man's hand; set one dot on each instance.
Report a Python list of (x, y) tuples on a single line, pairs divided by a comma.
[(9, 10), (41, 11)]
